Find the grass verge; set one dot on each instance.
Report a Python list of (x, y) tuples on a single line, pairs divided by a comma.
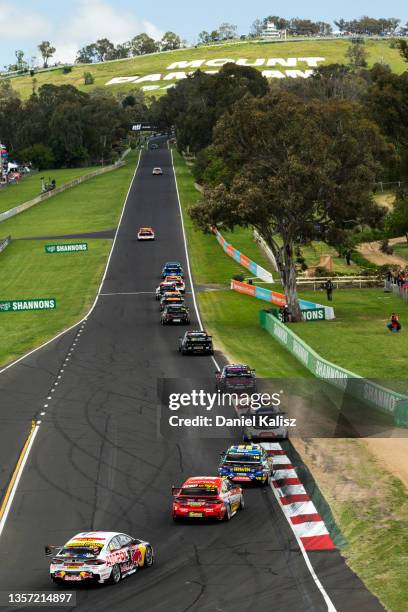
[(30, 186), (71, 278), (90, 207), (369, 504)]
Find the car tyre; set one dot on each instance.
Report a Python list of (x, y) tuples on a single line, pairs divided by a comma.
[(241, 503), (228, 514), (149, 557), (116, 575)]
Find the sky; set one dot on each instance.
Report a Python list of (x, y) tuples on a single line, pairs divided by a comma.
[(71, 25)]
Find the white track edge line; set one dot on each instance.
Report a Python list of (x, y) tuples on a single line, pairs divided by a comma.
[(187, 255), (17, 480), (65, 331)]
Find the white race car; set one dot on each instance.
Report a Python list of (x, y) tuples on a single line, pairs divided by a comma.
[(145, 233), (157, 171), (98, 556)]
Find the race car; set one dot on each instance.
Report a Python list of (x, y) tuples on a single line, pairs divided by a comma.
[(207, 497), (172, 267), (154, 146), (157, 172), (175, 314), (171, 297), (267, 424), (196, 342), (145, 233), (98, 556), (177, 280), (236, 377), (163, 288), (246, 463)]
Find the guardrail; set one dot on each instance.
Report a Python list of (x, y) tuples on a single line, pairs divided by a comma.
[(4, 243), (12, 212), (385, 400)]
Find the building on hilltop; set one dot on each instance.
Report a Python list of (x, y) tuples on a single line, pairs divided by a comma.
[(271, 31)]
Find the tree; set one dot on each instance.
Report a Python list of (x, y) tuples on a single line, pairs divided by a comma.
[(142, 44), (47, 51), (86, 55), (226, 31), (357, 55), (170, 41), (39, 155), (104, 49), (204, 38), (397, 220), (341, 24), (403, 49), (257, 28), (294, 180)]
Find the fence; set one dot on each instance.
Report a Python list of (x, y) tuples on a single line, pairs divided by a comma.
[(401, 290), (316, 282), (44, 196), (385, 400)]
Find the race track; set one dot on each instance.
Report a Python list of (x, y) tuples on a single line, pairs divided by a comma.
[(99, 463)]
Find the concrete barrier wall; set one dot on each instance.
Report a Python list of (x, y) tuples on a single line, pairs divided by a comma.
[(385, 400), (4, 243), (12, 212), (243, 260), (278, 299)]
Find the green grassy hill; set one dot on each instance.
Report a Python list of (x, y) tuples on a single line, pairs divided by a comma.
[(158, 63)]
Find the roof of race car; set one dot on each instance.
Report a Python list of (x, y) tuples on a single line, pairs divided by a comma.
[(238, 367), (174, 277), (245, 449), (145, 229), (91, 538), (196, 333), (172, 263)]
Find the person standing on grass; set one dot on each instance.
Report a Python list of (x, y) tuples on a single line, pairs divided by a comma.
[(328, 285), (348, 257)]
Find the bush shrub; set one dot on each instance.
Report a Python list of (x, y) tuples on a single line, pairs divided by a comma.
[(239, 277), (66, 69), (88, 78)]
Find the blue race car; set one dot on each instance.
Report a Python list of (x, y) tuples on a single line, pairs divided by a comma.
[(172, 268), (246, 463)]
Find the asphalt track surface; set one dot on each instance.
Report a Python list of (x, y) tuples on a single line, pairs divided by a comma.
[(98, 462)]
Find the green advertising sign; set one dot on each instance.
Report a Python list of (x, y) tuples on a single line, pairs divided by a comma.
[(28, 304), (314, 314), (66, 248)]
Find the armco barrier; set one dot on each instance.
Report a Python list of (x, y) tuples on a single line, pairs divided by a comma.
[(4, 243), (278, 299), (243, 260), (44, 196), (385, 400)]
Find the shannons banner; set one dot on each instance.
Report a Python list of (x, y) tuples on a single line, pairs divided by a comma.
[(28, 304), (385, 400), (66, 248)]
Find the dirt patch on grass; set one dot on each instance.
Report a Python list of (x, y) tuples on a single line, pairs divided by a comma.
[(370, 507), (372, 252)]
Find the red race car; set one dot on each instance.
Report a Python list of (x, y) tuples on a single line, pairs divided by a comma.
[(145, 233), (207, 497)]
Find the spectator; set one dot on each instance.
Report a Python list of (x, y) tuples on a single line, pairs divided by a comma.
[(348, 257), (328, 285), (394, 325)]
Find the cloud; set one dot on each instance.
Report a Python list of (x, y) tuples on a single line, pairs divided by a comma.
[(94, 19), (20, 25)]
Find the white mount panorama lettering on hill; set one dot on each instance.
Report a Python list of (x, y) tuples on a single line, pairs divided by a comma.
[(291, 63)]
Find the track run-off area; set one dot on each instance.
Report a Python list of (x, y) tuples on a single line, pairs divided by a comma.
[(98, 461)]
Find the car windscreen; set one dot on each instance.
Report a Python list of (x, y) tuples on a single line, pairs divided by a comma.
[(196, 338), (80, 552), (243, 458), (198, 490), (176, 309), (238, 374)]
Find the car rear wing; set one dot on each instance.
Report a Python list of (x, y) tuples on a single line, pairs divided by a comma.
[(175, 491)]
